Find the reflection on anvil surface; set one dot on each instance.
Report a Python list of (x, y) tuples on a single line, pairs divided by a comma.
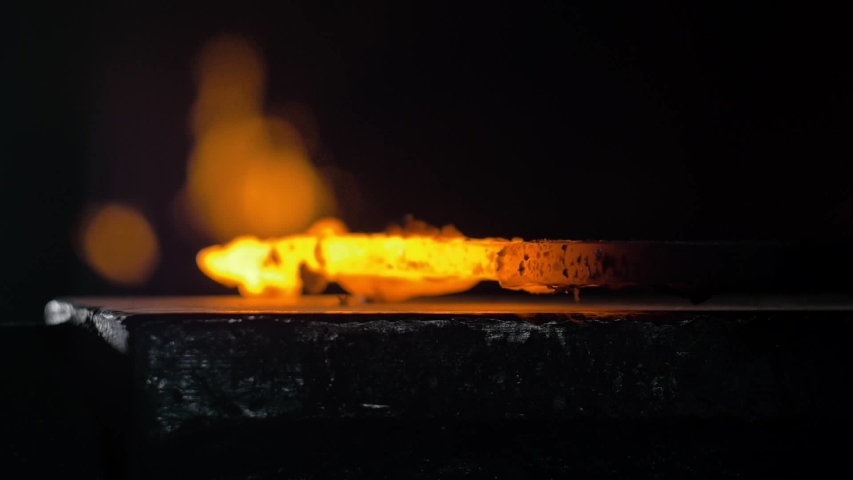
[(462, 304)]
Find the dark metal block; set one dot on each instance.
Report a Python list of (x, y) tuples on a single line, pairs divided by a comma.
[(220, 375)]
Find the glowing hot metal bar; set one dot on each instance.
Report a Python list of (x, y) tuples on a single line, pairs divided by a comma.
[(390, 267), (413, 262)]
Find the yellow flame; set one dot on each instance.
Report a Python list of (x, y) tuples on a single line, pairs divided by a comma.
[(383, 266), (120, 244), (248, 174)]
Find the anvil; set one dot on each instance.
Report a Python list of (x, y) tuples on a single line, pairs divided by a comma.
[(513, 386)]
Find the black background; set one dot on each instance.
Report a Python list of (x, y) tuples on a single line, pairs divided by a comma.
[(535, 119), (532, 119)]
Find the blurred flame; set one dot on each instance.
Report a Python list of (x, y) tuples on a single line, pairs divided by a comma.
[(392, 266), (249, 174), (250, 177), (231, 79), (120, 245)]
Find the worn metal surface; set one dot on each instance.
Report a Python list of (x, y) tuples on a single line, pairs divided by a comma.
[(618, 367), (81, 310), (518, 359), (307, 390)]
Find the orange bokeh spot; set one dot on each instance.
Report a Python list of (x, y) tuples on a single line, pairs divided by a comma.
[(253, 177), (248, 174), (278, 197), (120, 245)]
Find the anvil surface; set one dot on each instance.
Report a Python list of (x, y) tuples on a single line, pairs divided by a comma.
[(511, 303), (225, 378)]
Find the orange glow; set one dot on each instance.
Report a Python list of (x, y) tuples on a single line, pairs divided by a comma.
[(385, 266), (119, 244), (248, 174), (231, 78)]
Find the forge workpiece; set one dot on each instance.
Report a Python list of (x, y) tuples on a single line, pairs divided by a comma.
[(516, 386), (385, 267)]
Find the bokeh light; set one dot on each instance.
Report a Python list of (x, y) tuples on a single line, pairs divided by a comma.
[(248, 173), (119, 243), (230, 79)]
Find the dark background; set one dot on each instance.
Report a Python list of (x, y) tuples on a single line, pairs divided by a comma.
[(534, 119)]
